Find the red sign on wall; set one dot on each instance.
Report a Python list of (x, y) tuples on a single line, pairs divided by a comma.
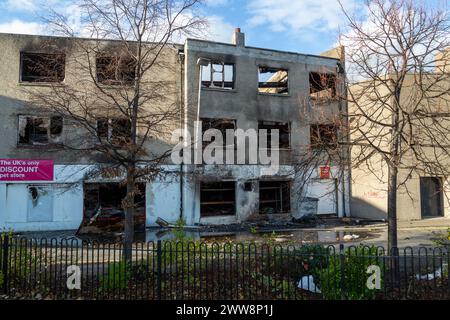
[(325, 172), (26, 170)]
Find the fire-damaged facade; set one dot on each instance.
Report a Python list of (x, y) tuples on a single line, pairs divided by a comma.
[(226, 87)]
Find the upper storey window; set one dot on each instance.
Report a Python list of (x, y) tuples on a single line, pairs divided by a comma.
[(115, 70), (322, 85), (42, 67), (218, 75), (272, 80)]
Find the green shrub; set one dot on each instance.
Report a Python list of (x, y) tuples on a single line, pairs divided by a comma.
[(117, 276), (356, 262)]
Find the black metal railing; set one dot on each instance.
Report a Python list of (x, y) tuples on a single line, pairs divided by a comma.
[(72, 269)]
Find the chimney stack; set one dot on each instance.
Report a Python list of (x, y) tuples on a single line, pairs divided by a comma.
[(238, 38)]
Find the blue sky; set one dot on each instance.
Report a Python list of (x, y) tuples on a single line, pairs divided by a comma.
[(309, 26)]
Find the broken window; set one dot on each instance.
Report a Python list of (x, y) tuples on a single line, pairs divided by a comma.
[(323, 136), (218, 75), (114, 70), (115, 130), (272, 80), (40, 130), (42, 67), (217, 198), (322, 85), (220, 124), (103, 205), (40, 203), (274, 197), (283, 133)]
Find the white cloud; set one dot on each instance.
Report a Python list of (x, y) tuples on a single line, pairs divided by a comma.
[(21, 5), (22, 27), (218, 29), (295, 15)]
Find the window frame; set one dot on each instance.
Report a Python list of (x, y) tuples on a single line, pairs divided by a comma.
[(111, 82), (288, 89), (202, 215), (50, 136), (322, 145), (211, 74), (269, 147), (21, 68), (333, 89)]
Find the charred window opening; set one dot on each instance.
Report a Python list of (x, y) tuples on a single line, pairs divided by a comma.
[(323, 136), (283, 133), (218, 75), (322, 85), (217, 198), (273, 80), (103, 205), (42, 67), (114, 130), (40, 130), (220, 124), (248, 186), (115, 70), (274, 197)]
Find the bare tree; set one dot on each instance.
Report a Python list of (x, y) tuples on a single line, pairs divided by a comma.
[(121, 92), (398, 81)]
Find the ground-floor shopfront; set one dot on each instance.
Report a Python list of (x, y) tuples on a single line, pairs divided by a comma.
[(230, 194)]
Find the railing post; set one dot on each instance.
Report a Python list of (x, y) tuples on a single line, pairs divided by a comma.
[(159, 269), (5, 251), (342, 269)]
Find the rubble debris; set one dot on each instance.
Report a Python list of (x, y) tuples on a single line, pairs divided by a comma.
[(350, 237)]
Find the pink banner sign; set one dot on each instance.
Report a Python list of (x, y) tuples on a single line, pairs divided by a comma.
[(26, 170)]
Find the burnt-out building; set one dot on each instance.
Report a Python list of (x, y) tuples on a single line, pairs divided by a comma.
[(226, 86)]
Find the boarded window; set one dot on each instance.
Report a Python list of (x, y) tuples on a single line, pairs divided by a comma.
[(40, 203), (283, 133), (218, 75), (217, 198), (40, 130), (220, 124), (272, 80), (115, 130), (322, 85), (115, 70), (323, 136), (274, 197), (42, 67)]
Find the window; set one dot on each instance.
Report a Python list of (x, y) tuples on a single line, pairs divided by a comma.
[(323, 135), (274, 197), (283, 133), (322, 85), (218, 75), (115, 130), (272, 80), (40, 130), (103, 205), (220, 124), (42, 67), (217, 198), (115, 70)]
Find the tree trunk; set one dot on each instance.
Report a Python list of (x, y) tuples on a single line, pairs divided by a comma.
[(392, 208), (392, 225), (129, 214)]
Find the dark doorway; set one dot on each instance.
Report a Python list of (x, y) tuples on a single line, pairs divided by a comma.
[(431, 200)]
